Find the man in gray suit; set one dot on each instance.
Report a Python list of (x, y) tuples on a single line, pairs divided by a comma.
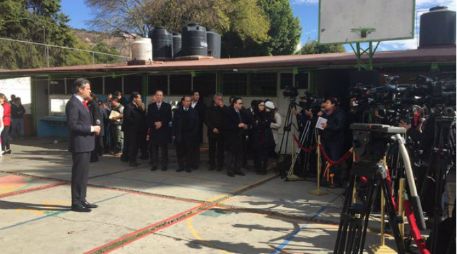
[(82, 142)]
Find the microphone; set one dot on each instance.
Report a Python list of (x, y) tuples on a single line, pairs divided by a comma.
[(97, 122)]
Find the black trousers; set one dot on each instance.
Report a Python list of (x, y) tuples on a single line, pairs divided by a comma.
[(79, 176), (216, 150), (133, 141), (185, 153), (5, 138), (154, 154), (235, 153)]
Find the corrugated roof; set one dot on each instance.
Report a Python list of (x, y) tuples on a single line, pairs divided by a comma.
[(444, 54)]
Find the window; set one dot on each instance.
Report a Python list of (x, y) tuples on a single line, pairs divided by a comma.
[(96, 85), (180, 84), (263, 84), (287, 80), (205, 84), (301, 80), (57, 86), (234, 84), (70, 85), (132, 83), (158, 82), (113, 84)]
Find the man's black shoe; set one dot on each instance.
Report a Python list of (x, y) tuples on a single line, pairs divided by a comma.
[(231, 174), (239, 173), (188, 170), (154, 168), (134, 164), (164, 168), (80, 209), (89, 205), (180, 170), (7, 151)]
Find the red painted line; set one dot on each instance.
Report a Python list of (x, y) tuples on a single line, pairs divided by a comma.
[(150, 229), (42, 187), (155, 227)]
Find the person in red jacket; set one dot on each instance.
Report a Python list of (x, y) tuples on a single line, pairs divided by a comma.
[(6, 124)]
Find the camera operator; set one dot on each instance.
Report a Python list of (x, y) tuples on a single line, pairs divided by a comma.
[(333, 134)]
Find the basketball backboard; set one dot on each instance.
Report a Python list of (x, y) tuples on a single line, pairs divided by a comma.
[(344, 21)]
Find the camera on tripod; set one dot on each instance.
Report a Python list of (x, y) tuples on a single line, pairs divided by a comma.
[(370, 145)]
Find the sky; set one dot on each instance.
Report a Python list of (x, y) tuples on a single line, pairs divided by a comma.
[(306, 10)]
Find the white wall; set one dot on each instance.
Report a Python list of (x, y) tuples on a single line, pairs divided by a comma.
[(21, 87)]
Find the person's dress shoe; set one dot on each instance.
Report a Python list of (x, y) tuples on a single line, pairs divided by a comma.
[(188, 170), (7, 151), (134, 164), (231, 174), (180, 170), (154, 168), (89, 205), (80, 208), (164, 168)]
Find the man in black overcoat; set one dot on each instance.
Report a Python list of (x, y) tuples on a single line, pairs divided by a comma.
[(159, 131), (185, 132)]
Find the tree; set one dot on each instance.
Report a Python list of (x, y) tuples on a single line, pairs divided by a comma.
[(284, 30), (37, 21), (313, 47), (240, 22)]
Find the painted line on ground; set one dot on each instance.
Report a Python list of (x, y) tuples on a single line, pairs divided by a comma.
[(180, 217), (41, 187), (55, 213), (292, 235), (47, 186)]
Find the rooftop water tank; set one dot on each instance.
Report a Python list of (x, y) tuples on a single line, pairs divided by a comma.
[(437, 28), (162, 43), (214, 44), (177, 44), (194, 41), (142, 49)]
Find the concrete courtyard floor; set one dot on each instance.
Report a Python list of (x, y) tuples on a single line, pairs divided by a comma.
[(158, 212)]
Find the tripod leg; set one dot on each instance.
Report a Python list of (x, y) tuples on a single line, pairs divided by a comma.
[(345, 219), (374, 189), (393, 219)]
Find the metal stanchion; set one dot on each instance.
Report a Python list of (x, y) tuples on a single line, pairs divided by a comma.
[(318, 191), (382, 247), (401, 210)]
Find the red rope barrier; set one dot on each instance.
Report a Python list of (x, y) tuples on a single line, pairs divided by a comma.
[(343, 158), (304, 149)]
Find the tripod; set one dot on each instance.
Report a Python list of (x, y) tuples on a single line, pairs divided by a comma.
[(369, 176), (306, 139), (283, 148), (441, 149)]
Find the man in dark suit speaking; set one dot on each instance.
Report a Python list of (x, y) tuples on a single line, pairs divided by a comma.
[(82, 143)]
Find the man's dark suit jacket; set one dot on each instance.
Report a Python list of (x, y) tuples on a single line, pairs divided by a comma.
[(186, 125), (79, 121), (162, 135)]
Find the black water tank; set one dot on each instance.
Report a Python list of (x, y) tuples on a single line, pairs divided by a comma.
[(214, 44), (437, 28), (162, 43), (194, 41), (177, 44)]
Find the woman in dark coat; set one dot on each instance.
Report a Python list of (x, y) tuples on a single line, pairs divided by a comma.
[(262, 137)]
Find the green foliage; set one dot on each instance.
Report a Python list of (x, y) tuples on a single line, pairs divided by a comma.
[(313, 47), (38, 21), (284, 30)]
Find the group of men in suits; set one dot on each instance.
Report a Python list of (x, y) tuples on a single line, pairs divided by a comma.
[(155, 128)]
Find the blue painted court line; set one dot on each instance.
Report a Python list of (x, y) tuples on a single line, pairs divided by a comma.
[(296, 231), (55, 213)]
